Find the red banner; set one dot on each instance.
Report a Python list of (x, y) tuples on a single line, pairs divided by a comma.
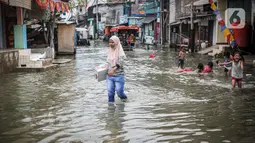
[(52, 6), (57, 4), (67, 9), (60, 6), (63, 7), (43, 4)]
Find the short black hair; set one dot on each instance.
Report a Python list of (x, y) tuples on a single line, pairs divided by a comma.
[(227, 54), (241, 55), (236, 52), (200, 67), (210, 64)]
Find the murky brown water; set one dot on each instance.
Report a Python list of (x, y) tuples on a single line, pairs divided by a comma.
[(68, 105)]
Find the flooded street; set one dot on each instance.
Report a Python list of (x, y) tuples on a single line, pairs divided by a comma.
[(68, 105)]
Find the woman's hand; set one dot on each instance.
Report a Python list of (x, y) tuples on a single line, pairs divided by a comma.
[(111, 72)]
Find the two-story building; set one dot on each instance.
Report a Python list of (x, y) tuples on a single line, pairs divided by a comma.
[(180, 21), (110, 13), (144, 15), (206, 25)]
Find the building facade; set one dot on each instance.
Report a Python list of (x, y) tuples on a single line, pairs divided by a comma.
[(206, 26), (144, 14)]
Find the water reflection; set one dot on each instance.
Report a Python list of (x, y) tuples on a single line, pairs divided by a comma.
[(114, 121)]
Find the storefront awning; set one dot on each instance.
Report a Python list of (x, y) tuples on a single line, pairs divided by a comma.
[(148, 20), (207, 16), (175, 23), (18, 3)]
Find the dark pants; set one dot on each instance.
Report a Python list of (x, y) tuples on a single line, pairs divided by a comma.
[(181, 63), (84, 42)]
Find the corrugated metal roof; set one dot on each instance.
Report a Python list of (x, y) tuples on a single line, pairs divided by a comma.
[(21, 3), (65, 22), (148, 20)]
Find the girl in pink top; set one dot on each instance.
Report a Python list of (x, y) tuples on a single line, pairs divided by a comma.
[(208, 68), (205, 69)]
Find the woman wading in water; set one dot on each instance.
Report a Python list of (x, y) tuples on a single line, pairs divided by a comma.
[(115, 78)]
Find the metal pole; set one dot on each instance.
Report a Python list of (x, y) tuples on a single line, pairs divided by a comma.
[(199, 30), (161, 22), (192, 29), (169, 28), (130, 9), (180, 34), (86, 11), (96, 19), (1, 31)]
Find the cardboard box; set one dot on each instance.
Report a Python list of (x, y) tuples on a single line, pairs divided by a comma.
[(101, 72)]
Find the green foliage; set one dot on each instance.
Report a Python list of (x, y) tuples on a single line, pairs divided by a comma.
[(72, 3), (46, 15), (81, 2)]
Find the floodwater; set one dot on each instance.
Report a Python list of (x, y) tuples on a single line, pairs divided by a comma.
[(68, 105)]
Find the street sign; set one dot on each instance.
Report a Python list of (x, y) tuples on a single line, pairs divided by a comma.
[(235, 18)]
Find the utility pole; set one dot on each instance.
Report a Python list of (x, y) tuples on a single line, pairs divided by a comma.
[(192, 44), (161, 22), (96, 19), (86, 1), (169, 27), (130, 8)]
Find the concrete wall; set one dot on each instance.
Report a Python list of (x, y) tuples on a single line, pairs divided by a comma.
[(8, 61), (111, 14), (172, 11)]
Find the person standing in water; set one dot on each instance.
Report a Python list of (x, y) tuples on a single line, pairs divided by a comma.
[(181, 58), (115, 78), (237, 70)]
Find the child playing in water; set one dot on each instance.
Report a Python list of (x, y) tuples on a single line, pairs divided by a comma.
[(205, 69), (181, 58), (237, 70), (227, 59), (200, 67), (208, 68)]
